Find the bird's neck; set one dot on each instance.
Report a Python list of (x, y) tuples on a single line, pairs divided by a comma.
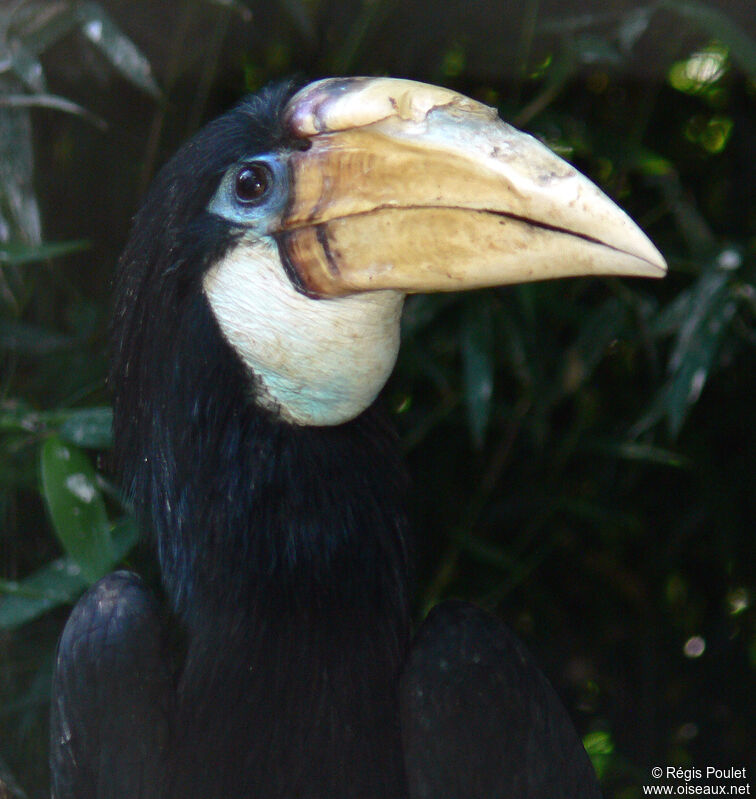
[(242, 505), (292, 701), (297, 618), (264, 517), (283, 551)]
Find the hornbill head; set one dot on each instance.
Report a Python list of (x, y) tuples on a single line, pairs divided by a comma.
[(316, 215)]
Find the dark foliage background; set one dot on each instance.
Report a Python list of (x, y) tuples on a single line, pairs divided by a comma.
[(582, 451)]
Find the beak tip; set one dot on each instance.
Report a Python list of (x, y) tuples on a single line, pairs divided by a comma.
[(649, 261), (482, 203), (656, 269)]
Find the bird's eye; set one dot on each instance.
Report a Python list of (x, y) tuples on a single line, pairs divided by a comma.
[(252, 192), (252, 183)]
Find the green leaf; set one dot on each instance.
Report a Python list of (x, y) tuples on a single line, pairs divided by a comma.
[(671, 318), (16, 254), (123, 54), (565, 25), (691, 223), (596, 50), (697, 345), (422, 309), (478, 367), (89, 427), (30, 339), (638, 451), (714, 23), (702, 315), (77, 508), (599, 329), (40, 25), (124, 534), (236, 6), (84, 427), (632, 25), (650, 163), (53, 102), (19, 416), (351, 45), (600, 749), (12, 790), (28, 68), (55, 584), (19, 211), (301, 16)]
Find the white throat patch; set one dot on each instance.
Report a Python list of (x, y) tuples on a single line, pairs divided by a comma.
[(318, 362)]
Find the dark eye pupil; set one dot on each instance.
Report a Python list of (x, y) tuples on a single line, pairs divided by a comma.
[(252, 182)]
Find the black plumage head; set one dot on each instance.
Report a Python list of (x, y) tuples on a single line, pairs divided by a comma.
[(257, 317), (238, 499), (258, 306)]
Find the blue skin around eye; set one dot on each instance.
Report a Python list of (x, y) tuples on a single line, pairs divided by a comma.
[(263, 215)]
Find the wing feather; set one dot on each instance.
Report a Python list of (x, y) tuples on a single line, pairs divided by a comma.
[(480, 720), (112, 695)]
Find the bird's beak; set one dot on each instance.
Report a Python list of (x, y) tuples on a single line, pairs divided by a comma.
[(411, 187)]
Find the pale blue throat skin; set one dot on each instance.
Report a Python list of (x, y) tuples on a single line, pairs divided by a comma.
[(316, 362)]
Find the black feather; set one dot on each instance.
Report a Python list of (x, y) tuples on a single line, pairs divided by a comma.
[(284, 562), (113, 696)]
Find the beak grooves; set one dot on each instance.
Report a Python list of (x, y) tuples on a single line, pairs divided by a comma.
[(415, 188)]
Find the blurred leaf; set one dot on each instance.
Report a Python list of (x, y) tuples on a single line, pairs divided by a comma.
[(647, 453), (422, 309), (690, 222), (562, 69), (454, 61), (30, 339), (41, 24), (703, 312), (28, 68), (53, 102), (570, 24), (366, 19), (512, 341), (485, 552), (236, 6), (77, 508), (11, 788), (650, 163), (718, 25), (596, 50), (17, 254), (700, 71), (633, 24), (600, 749), (85, 427), (123, 54), (600, 328), (36, 694), (89, 427), (670, 319), (125, 534), (18, 416), (595, 513), (19, 212), (55, 584), (478, 366), (301, 16), (697, 344)]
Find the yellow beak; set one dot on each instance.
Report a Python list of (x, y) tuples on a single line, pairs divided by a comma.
[(416, 188)]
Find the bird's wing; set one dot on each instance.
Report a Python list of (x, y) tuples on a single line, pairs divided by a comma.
[(480, 720), (112, 695)]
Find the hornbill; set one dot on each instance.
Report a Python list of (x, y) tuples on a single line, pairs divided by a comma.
[(257, 318)]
